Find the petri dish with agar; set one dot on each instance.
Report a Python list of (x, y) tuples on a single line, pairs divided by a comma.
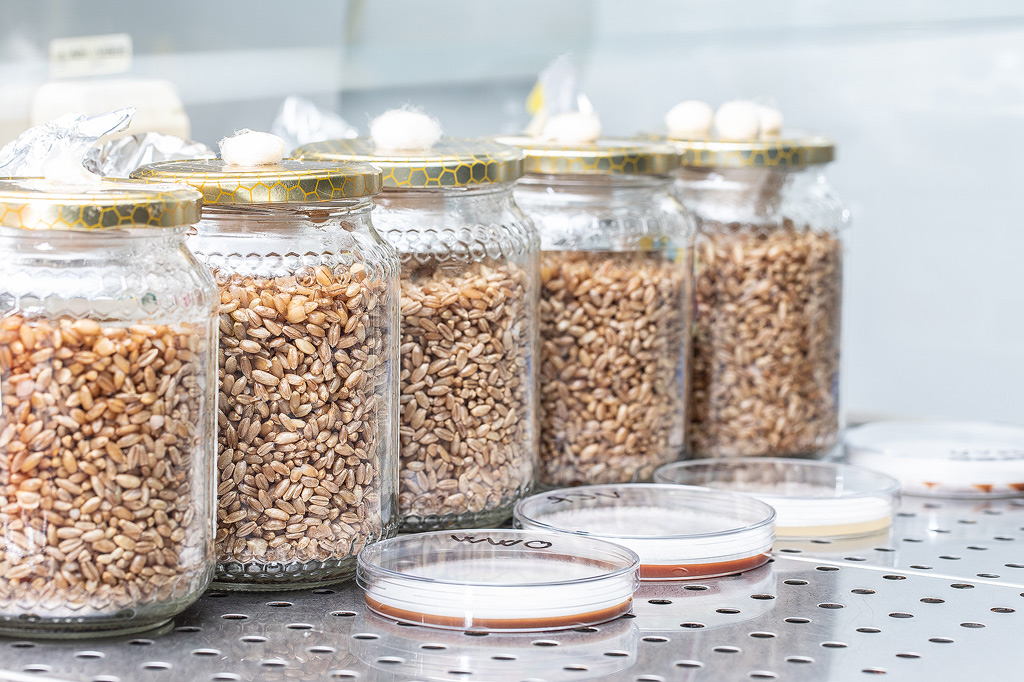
[(811, 499), (497, 579), (679, 532), (943, 459)]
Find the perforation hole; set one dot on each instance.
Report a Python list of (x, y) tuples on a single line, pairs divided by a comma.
[(875, 671), (343, 674), (762, 675), (795, 582), (36, 668), (962, 586), (235, 616), (799, 659), (616, 654), (826, 568), (23, 645), (862, 590), (933, 600), (762, 596), (575, 668), (908, 654), (273, 663), (475, 633), (901, 614), (791, 550), (762, 635), (692, 626), (322, 590), (894, 577), (656, 639), (507, 657), (727, 611), (140, 642), (972, 625), (798, 621), (206, 652), (343, 614), (941, 640), (987, 575), (544, 642), (695, 588), (649, 678), (586, 629), (869, 631), (365, 636), (689, 664), (659, 602), (321, 649), (254, 639), (854, 558), (156, 665), (390, 660), (834, 645), (188, 628), (727, 649), (299, 626), (225, 677), (1003, 609), (1014, 565), (89, 655), (831, 605)]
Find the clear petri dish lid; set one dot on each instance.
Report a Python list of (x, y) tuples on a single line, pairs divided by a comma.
[(679, 532), (500, 580), (943, 459), (811, 499)]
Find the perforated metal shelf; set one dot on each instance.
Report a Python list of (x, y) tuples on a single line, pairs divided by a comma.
[(895, 607)]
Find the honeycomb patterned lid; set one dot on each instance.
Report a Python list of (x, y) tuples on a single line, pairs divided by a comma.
[(794, 150), (289, 182), (38, 204), (603, 157), (448, 163)]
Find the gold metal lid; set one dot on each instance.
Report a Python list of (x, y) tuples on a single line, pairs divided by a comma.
[(289, 182), (448, 163), (38, 204), (794, 150), (601, 157)]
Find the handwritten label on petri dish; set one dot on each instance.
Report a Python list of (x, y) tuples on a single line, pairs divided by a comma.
[(529, 544)]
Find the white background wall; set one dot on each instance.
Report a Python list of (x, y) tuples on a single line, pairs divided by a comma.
[(925, 98)]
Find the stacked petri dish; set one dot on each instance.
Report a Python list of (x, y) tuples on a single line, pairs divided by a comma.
[(811, 499)]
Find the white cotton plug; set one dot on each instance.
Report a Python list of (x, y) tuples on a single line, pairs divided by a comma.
[(738, 120), (404, 130), (572, 128), (771, 121), (689, 120), (251, 148)]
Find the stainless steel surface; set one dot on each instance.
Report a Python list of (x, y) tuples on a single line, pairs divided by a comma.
[(830, 613)]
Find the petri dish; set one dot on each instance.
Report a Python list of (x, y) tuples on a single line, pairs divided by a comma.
[(811, 499), (496, 579), (679, 532), (943, 459)]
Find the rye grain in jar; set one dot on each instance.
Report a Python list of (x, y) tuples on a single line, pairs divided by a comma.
[(107, 362), (768, 297), (468, 336), (615, 308), (308, 316)]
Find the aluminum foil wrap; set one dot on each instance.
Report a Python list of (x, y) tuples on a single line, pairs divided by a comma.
[(118, 158), (54, 150), (300, 122)]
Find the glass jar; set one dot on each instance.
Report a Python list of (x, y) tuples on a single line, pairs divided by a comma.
[(615, 308), (108, 387), (307, 413), (769, 287), (469, 303)]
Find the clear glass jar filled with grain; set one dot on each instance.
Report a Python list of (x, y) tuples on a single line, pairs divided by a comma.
[(769, 283), (307, 422), (615, 308), (107, 408), (468, 346)]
